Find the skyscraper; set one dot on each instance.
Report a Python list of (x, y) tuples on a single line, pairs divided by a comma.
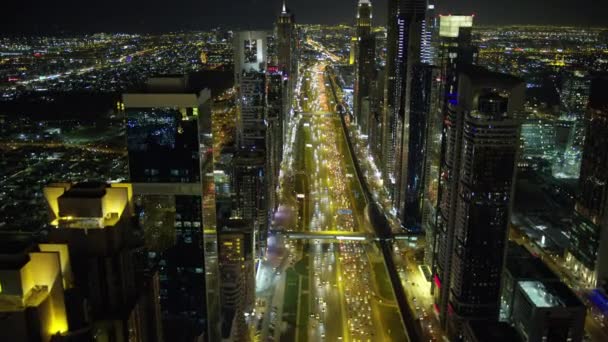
[(365, 55), (170, 147), (287, 47), (574, 94), (253, 182), (477, 178), (588, 253), (34, 280), (406, 103), (250, 58), (453, 51), (237, 272), (114, 297)]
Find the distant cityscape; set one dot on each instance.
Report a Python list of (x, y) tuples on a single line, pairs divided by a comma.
[(427, 180)]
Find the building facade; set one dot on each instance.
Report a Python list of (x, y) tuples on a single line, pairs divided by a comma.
[(588, 253), (453, 51), (170, 146), (476, 192)]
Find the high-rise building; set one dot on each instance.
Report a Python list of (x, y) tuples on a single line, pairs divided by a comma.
[(453, 49), (428, 53), (588, 252), (405, 99), (548, 311), (365, 71), (287, 51), (253, 182), (538, 139), (536, 302), (170, 145), (520, 265), (250, 59), (33, 282), (237, 272), (475, 195), (275, 100), (403, 15), (574, 94), (249, 189), (117, 299)]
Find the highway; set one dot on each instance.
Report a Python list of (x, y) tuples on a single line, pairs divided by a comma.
[(323, 289)]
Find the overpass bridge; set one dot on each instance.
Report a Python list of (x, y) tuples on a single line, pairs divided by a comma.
[(337, 235)]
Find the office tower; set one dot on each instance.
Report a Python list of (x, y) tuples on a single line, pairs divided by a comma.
[(588, 252), (277, 98), (520, 265), (253, 182), (475, 195), (237, 273), (250, 57), (428, 51), (574, 94), (536, 302), (538, 148), (287, 54), (95, 222), (406, 109), (404, 32), (365, 71), (453, 50), (33, 281), (170, 145), (548, 311), (376, 105), (249, 189)]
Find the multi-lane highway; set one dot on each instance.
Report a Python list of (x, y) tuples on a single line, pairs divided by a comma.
[(320, 289)]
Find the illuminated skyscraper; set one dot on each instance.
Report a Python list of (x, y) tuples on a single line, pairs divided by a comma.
[(114, 298), (170, 147), (574, 94), (238, 281), (453, 51), (588, 252), (34, 279), (476, 186), (428, 53), (253, 182), (365, 55), (287, 49), (407, 101), (405, 18), (250, 58)]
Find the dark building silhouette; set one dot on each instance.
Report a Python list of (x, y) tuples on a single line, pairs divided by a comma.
[(588, 252), (169, 141), (476, 187)]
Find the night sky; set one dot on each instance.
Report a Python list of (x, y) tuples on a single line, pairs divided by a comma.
[(47, 16)]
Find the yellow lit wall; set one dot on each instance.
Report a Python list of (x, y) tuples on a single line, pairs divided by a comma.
[(451, 24), (45, 270), (114, 201), (52, 193), (64, 259), (129, 189)]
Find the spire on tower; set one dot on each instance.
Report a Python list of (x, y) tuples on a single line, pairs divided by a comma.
[(284, 7)]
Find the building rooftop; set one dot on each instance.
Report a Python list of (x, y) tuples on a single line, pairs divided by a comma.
[(529, 268), (549, 294), (87, 205)]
